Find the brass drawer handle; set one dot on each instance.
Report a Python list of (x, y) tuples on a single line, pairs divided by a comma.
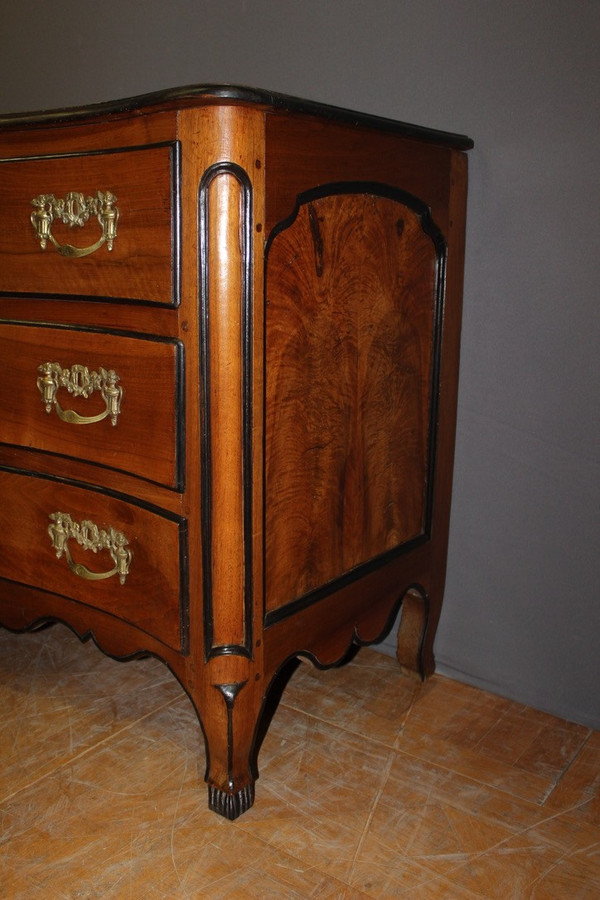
[(62, 528), (75, 210), (79, 381)]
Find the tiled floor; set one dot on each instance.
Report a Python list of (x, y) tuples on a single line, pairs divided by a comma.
[(371, 786)]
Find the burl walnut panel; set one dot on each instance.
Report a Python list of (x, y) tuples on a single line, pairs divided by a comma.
[(227, 416), (353, 285)]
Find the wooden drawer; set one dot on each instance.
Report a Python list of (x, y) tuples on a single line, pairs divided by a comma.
[(41, 520), (139, 264), (57, 394)]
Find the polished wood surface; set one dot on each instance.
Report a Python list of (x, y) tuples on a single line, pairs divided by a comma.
[(140, 264), (154, 541), (282, 306), (146, 437), (348, 371)]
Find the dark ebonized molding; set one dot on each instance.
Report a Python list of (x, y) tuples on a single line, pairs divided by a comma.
[(43, 622), (356, 641), (175, 160), (230, 805), (180, 409), (214, 171), (176, 223), (180, 521), (188, 95), (433, 232), (96, 489)]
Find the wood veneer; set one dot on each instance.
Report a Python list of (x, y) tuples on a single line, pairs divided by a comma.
[(283, 298)]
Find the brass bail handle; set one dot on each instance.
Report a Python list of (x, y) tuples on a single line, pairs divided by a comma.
[(80, 382), (75, 210), (63, 528)]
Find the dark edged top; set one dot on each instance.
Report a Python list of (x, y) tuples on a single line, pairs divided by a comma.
[(192, 94)]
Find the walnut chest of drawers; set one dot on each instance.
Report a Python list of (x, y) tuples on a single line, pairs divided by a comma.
[(229, 335)]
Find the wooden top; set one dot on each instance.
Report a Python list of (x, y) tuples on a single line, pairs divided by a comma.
[(191, 95)]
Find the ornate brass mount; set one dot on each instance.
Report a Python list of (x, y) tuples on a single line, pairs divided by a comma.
[(62, 528), (75, 210), (79, 381)]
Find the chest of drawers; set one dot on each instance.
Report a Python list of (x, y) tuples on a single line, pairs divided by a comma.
[(229, 335)]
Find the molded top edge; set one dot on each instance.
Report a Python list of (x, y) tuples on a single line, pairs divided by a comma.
[(191, 94)]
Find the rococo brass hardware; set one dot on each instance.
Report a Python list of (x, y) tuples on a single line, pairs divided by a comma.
[(75, 210), (79, 381), (62, 528)]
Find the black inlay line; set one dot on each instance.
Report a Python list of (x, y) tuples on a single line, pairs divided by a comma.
[(51, 618), (182, 530), (175, 179), (336, 584), (96, 489), (176, 223), (423, 213), (207, 512), (180, 408), (229, 693), (75, 154)]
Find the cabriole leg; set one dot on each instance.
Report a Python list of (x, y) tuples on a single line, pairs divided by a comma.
[(230, 727), (415, 635)]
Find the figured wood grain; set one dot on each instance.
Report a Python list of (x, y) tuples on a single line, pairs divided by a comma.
[(350, 314), (303, 152), (23, 137), (302, 410)]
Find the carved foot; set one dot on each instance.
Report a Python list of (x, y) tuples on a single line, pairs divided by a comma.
[(230, 805)]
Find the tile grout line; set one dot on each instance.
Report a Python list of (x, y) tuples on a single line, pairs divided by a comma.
[(413, 754), (367, 825), (328, 722), (557, 862), (87, 751), (402, 725), (567, 768), (497, 846)]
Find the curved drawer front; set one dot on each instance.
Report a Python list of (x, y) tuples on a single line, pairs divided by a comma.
[(91, 225), (102, 398), (113, 555)]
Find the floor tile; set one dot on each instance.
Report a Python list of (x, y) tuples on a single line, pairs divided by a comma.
[(368, 696), (371, 786), (44, 723), (579, 787), (523, 868)]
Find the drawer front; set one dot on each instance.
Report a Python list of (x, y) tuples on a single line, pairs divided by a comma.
[(99, 550), (104, 398), (91, 225)]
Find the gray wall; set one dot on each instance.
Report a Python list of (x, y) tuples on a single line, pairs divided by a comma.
[(522, 77)]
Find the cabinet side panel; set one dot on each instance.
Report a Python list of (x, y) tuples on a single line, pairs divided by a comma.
[(305, 151), (351, 294)]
